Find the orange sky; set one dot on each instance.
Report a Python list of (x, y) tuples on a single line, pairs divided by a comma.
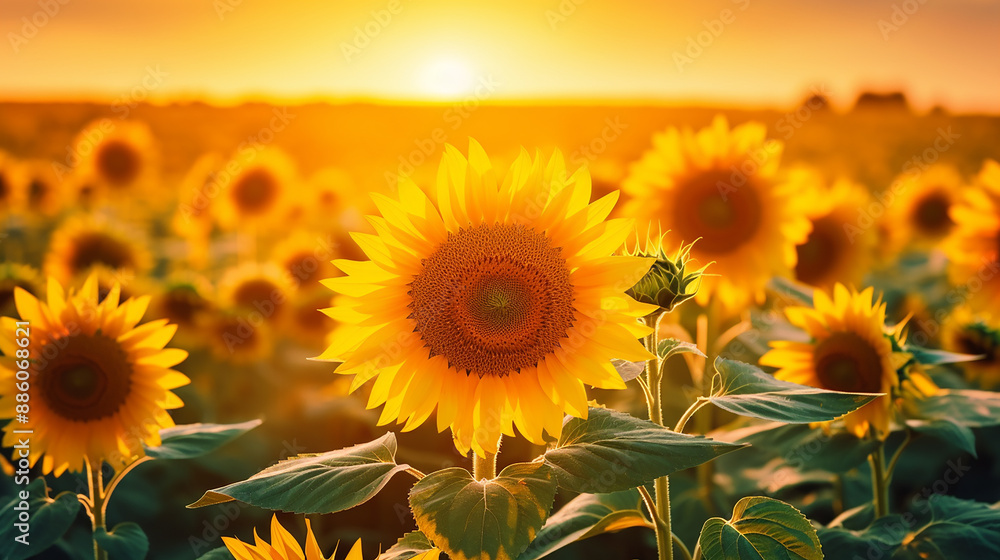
[(766, 52)]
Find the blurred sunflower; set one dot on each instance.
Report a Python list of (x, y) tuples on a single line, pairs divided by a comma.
[(307, 258), (10, 199), (337, 198), (973, 248), (234, 337), (42, 192), (120, 156), (283, 546), (849, 349), (258, 193), (494, 305), (101, 384), (83, 243), (920, 216), (256, 288), (966, 333), (185, 300), (12, 276), (305, 322), (837, 250), (606, 176), (719, 186)]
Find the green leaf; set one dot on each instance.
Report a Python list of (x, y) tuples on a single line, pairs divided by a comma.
[(585, 516), (194, 440), (965, 407), (125, 541), (49, 519), (671, 346), (317, 483), (760, 529), (932, 357), (612, 451), (747, 390), (221, 553), (941, 527), (628, 370), (947, 430), (805, 447), (474, 519), (410, 545)]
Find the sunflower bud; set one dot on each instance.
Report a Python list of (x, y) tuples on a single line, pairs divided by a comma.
[(669, 281)]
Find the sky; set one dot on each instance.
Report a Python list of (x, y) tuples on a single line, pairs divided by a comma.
[(739, 52)]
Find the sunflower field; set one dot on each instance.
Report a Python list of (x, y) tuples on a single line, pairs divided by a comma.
[(471, 328)]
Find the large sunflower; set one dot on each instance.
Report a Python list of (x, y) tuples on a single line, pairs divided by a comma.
[(83, 243), (494, 305), (283, 546), (836, 249), (720, 187), (849, 349), (973, 248), (100, 384), (919, 218)]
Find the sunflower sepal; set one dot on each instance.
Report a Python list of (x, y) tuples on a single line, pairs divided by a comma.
[(669, 281)]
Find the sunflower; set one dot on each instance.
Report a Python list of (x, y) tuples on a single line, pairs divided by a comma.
[(849, 349), (494, 305), (968, 333), (283, 546), (13, 276), (335, 197), (307, 258), (185, 299), (973, 248), (100, 385), (258, 192), (119, 156), (256, 288), (41, 190), (198, 190), (83, 243), (837, 250), (239, 337), (920, 216), (305, 321), (719, 187)]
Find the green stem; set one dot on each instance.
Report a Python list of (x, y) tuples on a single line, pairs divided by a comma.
[(95, 478), (484, 466), (680, 544), (695, 407), (880, 488), (661, 486)]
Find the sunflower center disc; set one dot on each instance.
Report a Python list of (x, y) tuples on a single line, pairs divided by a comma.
[(847, 362), (97, 248), (724, 216), (493, 299), (88, 377), (118, 162), (255, 191), (931, 214), (821, 253)]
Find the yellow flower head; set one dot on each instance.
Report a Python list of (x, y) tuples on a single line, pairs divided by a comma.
[(84, 243), (849, 350), (41, 191), (116, 155), (494, 304), (283, 546), (920, 218), (99, 383), (973, 248), (255, 288), (719, 187), (965, 332), (185, 300), (837, 249), (258, 192)]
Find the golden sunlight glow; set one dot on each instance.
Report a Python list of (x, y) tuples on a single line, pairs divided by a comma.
[(446, 78)]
